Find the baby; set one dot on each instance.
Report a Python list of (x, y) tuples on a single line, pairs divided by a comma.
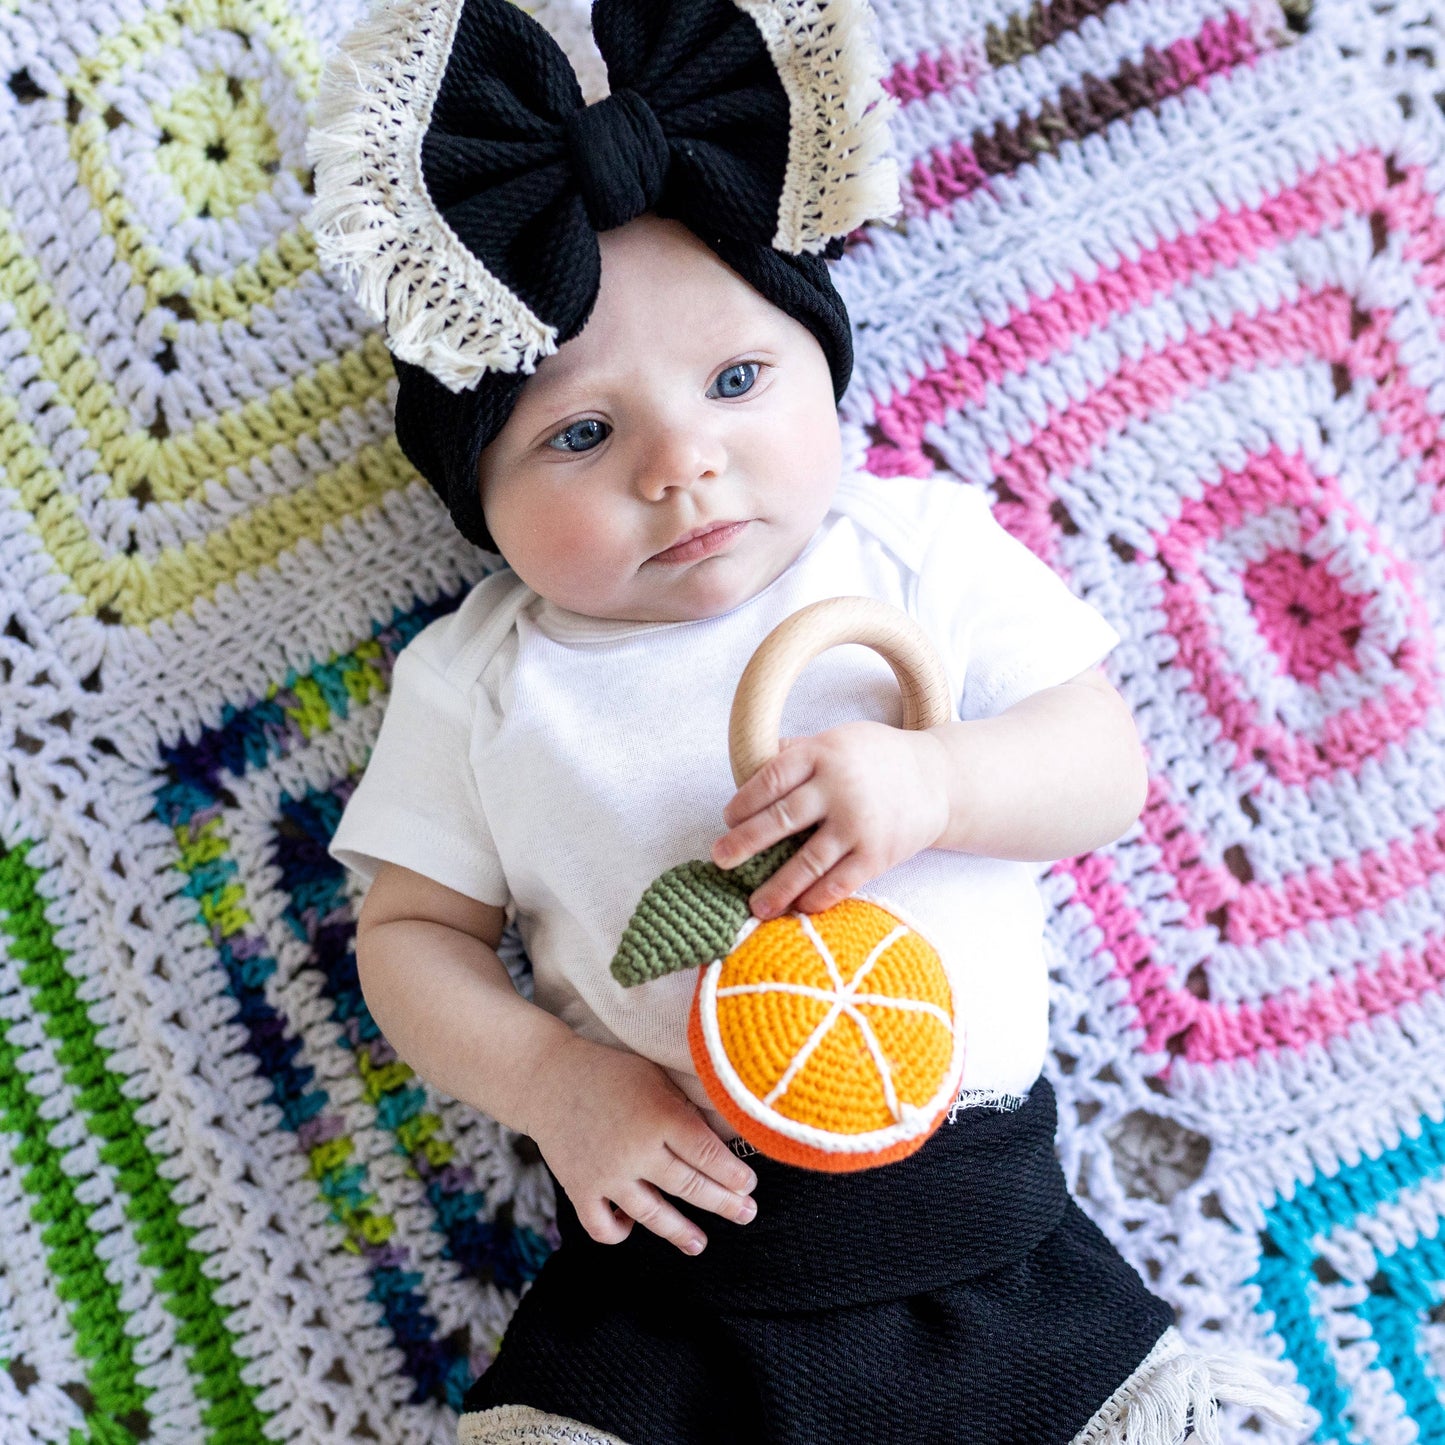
[(672, 464), (666, 484)]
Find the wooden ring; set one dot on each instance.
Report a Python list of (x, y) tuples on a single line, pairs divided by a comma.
[(757, 711)]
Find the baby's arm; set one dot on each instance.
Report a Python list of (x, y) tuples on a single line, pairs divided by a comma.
[(614, 1129), (1058, 773)]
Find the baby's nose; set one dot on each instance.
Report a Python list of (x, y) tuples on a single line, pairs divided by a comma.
[(679, 457)]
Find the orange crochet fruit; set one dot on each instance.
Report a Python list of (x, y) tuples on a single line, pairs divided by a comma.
[(829, 1039)]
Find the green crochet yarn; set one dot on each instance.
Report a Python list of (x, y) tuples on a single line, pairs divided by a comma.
[(692, 914), (67, 1202)]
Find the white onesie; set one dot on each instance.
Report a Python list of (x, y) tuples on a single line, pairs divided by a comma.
[(556, 764)]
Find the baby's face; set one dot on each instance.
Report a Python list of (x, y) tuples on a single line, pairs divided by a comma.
[(687, 405)]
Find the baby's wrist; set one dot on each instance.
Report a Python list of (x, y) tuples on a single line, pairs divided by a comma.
[(969, 813), (536, 1070), (935, 765)]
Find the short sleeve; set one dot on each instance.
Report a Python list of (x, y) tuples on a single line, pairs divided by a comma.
[(417, 804), (1011, 623)]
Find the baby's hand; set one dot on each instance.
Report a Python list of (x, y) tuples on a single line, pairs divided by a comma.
[(879, 795), (615, 1130)]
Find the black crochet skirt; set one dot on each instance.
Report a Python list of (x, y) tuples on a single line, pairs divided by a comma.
[(955, 1296)]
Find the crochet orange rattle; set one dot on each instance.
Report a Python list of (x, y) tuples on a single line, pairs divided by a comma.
[(828, 1040)]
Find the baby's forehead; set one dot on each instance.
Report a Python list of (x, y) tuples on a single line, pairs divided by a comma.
[(640, 332), (665, 299)]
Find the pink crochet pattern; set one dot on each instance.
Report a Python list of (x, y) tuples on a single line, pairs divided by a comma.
[(1169, 288)]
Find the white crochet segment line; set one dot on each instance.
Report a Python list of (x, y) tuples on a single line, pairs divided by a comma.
[(840, 172), (522, 1425), (1177, 1387), (374, 221), (911, 1121)]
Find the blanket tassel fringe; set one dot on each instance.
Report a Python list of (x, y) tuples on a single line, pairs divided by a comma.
[(1175, 1394)]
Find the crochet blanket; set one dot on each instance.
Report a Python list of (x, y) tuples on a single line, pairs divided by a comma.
[(1170, 287)]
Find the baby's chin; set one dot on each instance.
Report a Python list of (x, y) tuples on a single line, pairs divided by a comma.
[(706, 589), (714, 587)]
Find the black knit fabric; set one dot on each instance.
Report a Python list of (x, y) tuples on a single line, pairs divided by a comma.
[(696, 127), (957, 1297), (620, 157), (526, 175)]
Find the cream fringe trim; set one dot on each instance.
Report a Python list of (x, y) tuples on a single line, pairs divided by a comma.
[(522, 1425), (996, 1099), (839, 172), (374, 220), (1176, 1386)]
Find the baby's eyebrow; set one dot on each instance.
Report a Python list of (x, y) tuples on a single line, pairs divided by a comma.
[(545, 401), (546, 381)]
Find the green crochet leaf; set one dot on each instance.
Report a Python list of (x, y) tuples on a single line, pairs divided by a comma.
[(753, 872), (692, 914)]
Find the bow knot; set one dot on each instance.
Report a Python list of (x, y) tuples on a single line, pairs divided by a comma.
[(619, 158), (462, 180)]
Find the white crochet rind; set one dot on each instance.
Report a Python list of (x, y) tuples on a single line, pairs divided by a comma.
[(840, 172), (1178, 1389), (522, 1425), (910, 1121), (374, 220)]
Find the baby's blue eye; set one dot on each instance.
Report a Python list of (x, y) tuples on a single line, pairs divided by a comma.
[(736, 380), (581, 436)]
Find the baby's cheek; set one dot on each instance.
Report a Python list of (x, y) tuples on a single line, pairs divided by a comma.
[(585, 536), (585, 553)]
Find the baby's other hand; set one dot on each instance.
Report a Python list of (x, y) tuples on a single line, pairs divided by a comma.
[(878, 794), (616, 1131)]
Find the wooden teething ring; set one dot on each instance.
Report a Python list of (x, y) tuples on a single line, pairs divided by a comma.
[(785, 1034), (782, 655)]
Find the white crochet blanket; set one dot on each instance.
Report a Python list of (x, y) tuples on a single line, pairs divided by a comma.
[(1171, 287)]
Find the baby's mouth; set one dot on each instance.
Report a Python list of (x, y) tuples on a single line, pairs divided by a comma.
[(700, 543)]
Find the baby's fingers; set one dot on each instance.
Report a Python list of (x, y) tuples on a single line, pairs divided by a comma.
[(790, 767), (782, 818), (813, 872), (690, 1184), (604, 1223), (841, 881), (647, 1206)]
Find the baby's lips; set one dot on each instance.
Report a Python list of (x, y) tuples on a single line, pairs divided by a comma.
[(700, 542)]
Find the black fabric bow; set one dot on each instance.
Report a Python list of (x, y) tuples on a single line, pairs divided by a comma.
[(526, 173)]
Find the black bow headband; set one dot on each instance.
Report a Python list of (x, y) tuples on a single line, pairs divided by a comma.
[(461, 178)]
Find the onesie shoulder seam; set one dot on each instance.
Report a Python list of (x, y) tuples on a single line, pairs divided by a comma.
[(457, 647), (870, 502)]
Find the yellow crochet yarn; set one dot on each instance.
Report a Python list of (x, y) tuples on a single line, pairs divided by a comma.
[(827, 1027)]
